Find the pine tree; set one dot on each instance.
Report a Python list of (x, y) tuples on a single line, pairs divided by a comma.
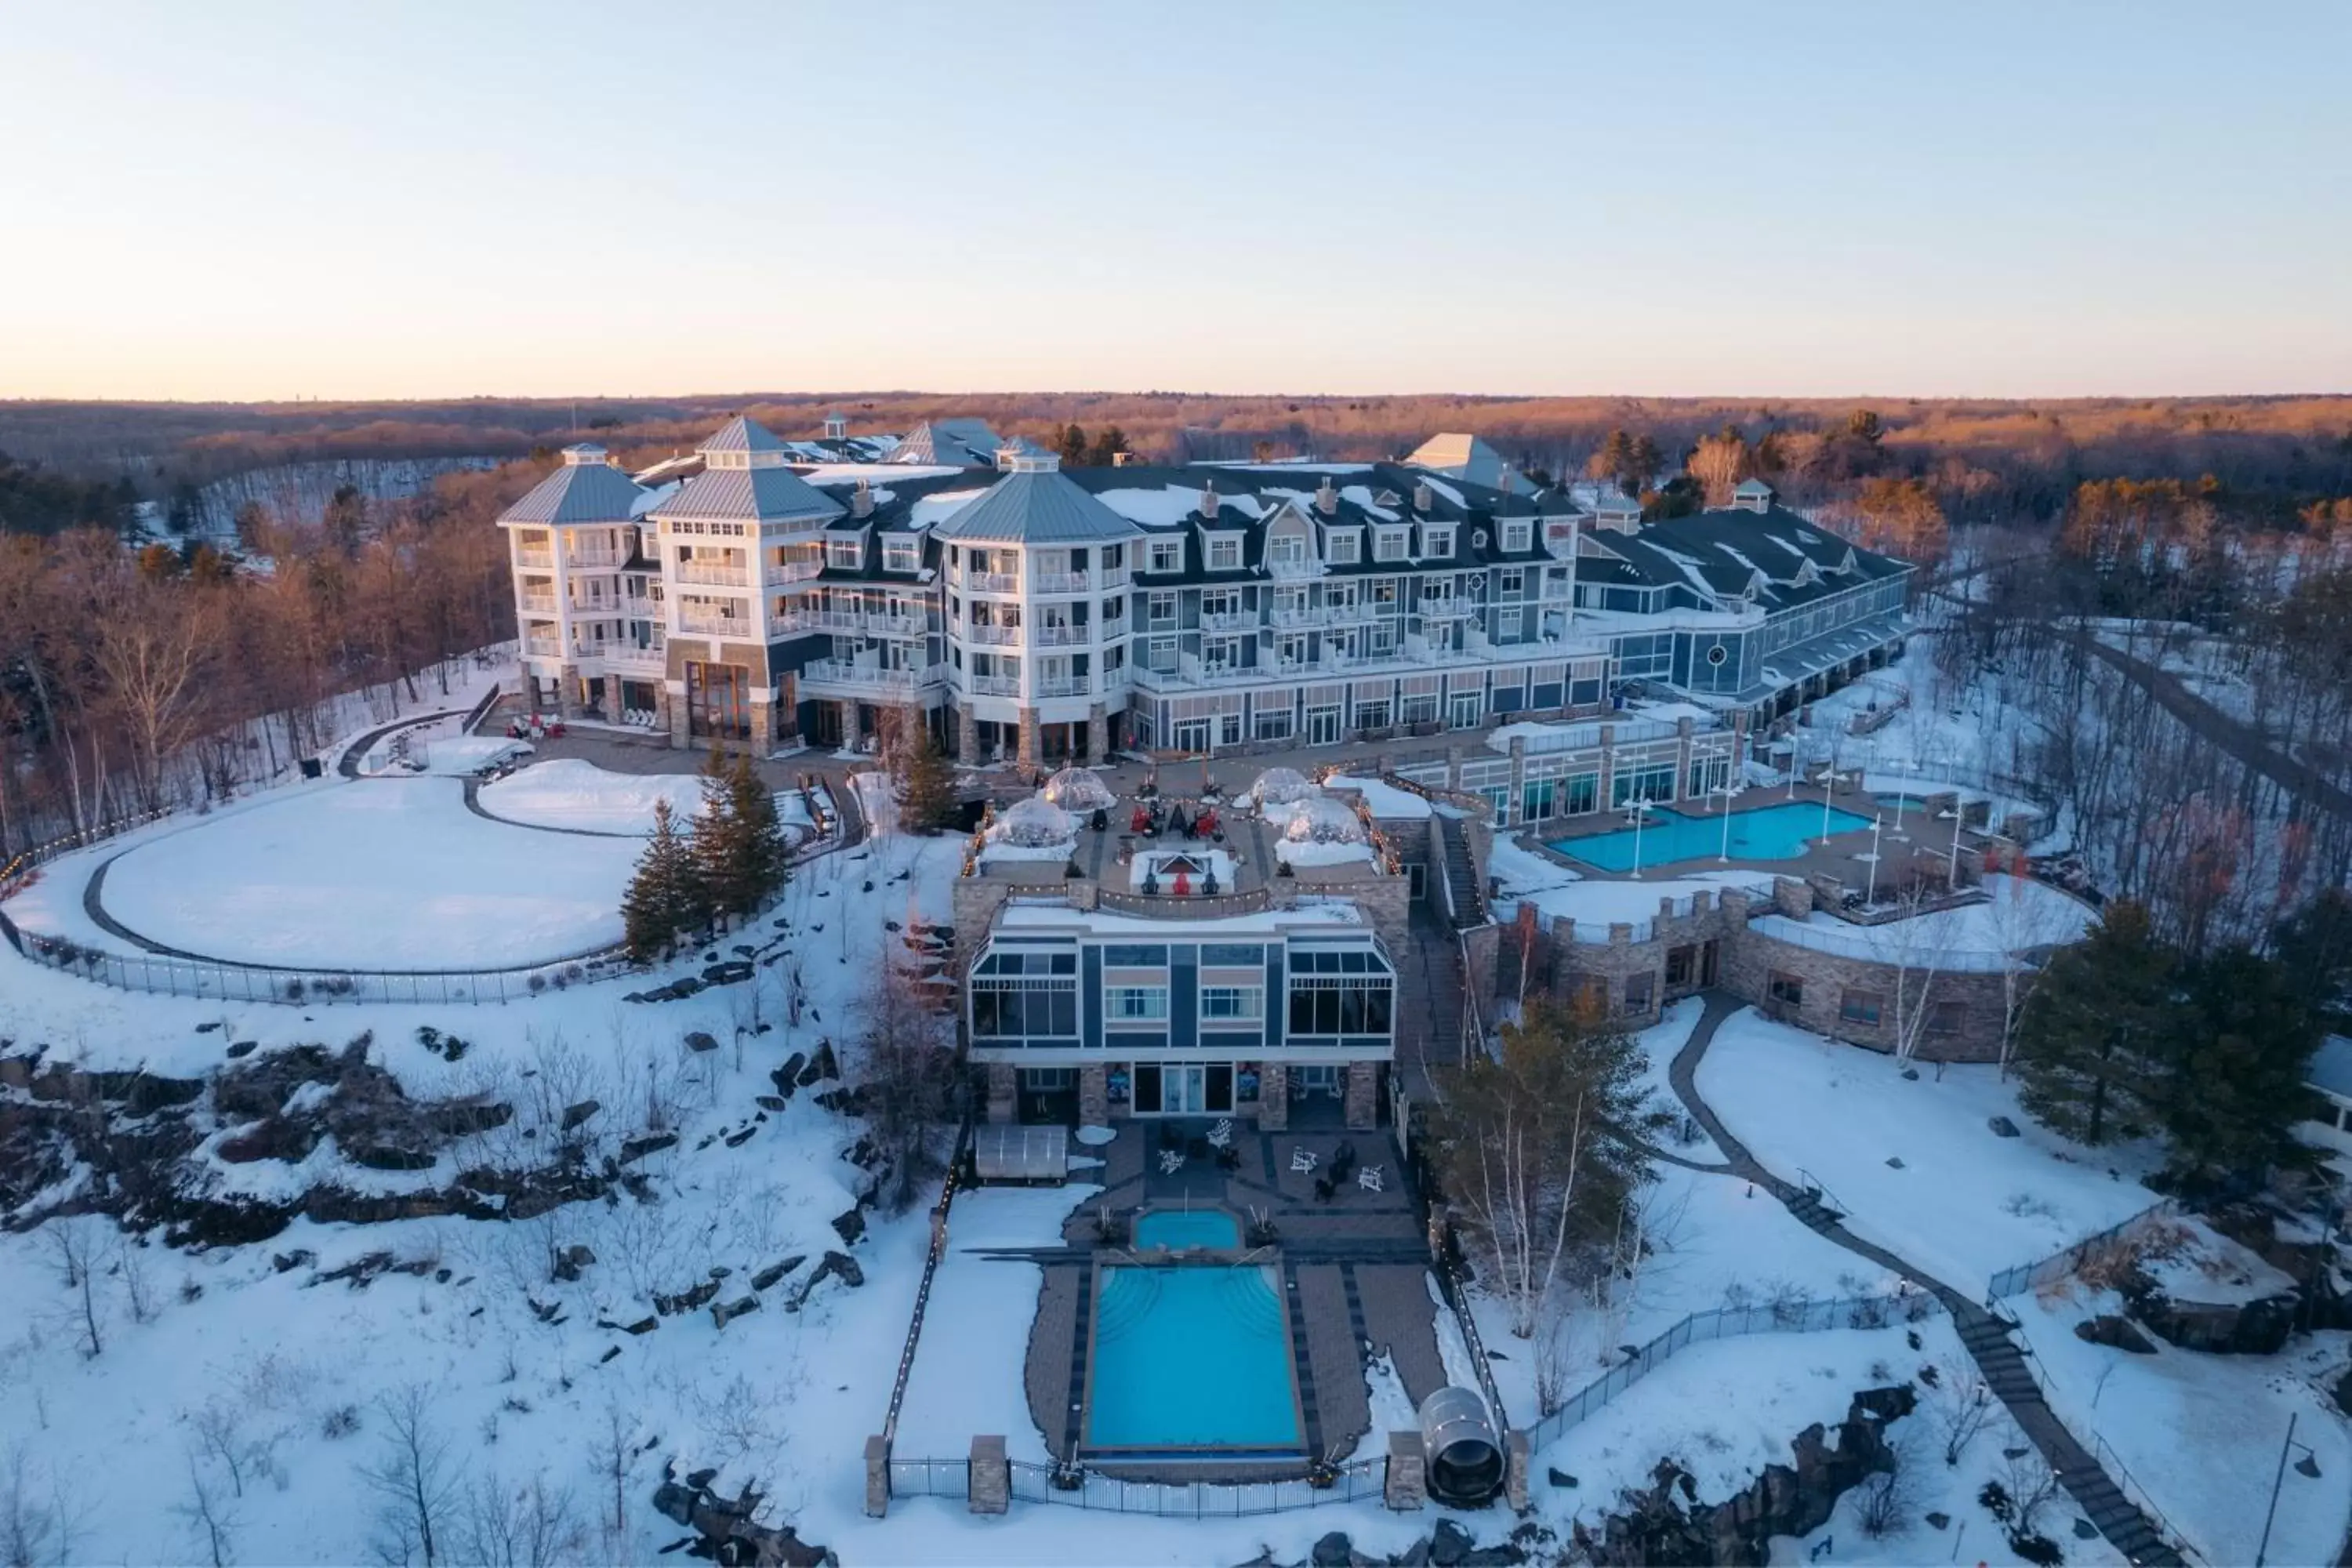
[(1614, 461), (926, 785), (717, 842), (2091, 1043), (1072, 447), (764, 850), (660, 894), (2241, 1042)]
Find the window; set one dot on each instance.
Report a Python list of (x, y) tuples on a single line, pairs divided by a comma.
[(1581, 794), (1860, 1006), (1232, 1002), (1945, 1019), (1135, 954), (1680, 964), (1221, 602), (1232, 956), (1114, 556), (1517, 536), (1437, 542), (1347, 1005), (1167, 555), (1160, 607), (1515, 582), (1224, 552), (1506, 623), (1159, 654), (1136, 1001), (845, 552), (1785, 988), (1114, 611), (901, 555), (1382, 641), (1388, 544), (1639, 990), (1343, 547), (1286, 549), (1652, 782), (1290, 648), (1221, 653)]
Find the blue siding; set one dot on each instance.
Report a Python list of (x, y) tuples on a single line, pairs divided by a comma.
[(1090, 1001)]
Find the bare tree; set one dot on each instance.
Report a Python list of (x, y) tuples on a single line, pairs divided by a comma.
[(612, 1456), (1885, 1500), (414, 1479), (218, 1433), (1915, 953), (38, 1522), (1959, 1406), (529, 1526), (906, 1081), (210, 1521), (76, 1242)]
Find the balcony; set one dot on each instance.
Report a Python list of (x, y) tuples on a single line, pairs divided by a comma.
[(1060, 583), (629, 656), (1312, 616), (642, 609), (543, 647), (998, 636), (991, 581), (713, 623), (718, 574), (1056, 634), (990, 685), (1230, 621), (779, 572), (592, 555), (1062, 686), (869, 678), (539, 557), (1114, 577), (536, 604)]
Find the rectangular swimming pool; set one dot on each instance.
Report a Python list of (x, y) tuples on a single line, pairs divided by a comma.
[(1779, 832), (1192, 1358)]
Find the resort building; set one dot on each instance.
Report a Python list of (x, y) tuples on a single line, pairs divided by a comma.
[(1037, 615)]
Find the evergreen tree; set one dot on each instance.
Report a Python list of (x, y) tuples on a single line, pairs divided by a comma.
[(764, 850), (1072, 447), (1615, 461), (2091, 1042), (1109, 442), (926, 785), (2314, 948), (719, 853), (1647, 463), (2242, 1040), (662, 894)]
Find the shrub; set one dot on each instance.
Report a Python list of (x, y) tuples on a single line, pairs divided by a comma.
[(340, 1422)]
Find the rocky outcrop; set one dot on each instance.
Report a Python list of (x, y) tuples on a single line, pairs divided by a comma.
[(1666, 1523), (730, 1528)]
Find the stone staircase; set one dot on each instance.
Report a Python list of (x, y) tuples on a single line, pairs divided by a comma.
[(1461, 874)]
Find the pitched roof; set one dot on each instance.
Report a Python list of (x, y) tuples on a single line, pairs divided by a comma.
[(1460, 454), (748, 495), (579, 492), (1037, 507), (742, 434), (966, 443)]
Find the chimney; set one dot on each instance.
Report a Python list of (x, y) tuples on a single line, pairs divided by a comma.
[(861, 500), (1326, 498), (1209, 500), (1423, 497)]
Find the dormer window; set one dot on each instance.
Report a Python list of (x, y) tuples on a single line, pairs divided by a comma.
[(848, 554), (1286, 549), (902, 555), (1224, 552), (1517, 537), (1167, 555), (1437, 542), (1389, 499), (1343, 547), (1389, 544)]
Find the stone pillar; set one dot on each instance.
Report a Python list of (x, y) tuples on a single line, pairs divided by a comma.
[(1407, 1487), (565, 678), (1274, 1096), (992, 1476), (877, 1476), (611, 700), (1004, 1090), (1518, 794), (1094, 1098), (1363, 1098), (674, 717), (1098, 736), (764, 724), (967, 736), (1029, 747), (1515, 1460)]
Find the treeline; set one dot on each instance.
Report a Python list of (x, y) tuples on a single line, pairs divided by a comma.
[(132, 679)]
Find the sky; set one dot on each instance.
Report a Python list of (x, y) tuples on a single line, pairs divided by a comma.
[(246, 200)]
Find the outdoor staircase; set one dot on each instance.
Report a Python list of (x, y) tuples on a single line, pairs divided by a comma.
[(1467, 902), (1430, 1015)]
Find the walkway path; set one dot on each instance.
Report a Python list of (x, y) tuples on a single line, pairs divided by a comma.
[(356, 752), (1985, 1335)]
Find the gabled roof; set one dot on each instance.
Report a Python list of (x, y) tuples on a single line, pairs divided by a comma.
[(578, 492), (748, 495), (742, 434), (961, 443), (1460, 454), (1037, 507)]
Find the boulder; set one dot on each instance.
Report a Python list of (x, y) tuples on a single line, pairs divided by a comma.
[(1449, 1544), (821, 1065), (2002, 1127), (850, 1226), (651, 1143), (571, 1260), (1332, 1551), (691, 1299), (725, 1312), (698, 1040), (766, 1277), (573, 1115)]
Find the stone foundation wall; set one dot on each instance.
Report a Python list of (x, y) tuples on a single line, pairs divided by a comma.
[(1363, 1095), (1274, 1096)]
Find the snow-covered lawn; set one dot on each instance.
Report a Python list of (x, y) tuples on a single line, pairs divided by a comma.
[(569, 793), (1383, 799), (2022, 914), (2233, 1409), (1963, 1203), (380, 874)]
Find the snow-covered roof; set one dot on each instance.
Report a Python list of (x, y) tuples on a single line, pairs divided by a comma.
[(1460, 454), (1037, 507), (582, 491), (742, 434), (749, 495)]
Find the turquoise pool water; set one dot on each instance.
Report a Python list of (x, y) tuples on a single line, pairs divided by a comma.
[(1768, 833), (1176, 1228), (1190, 1358)]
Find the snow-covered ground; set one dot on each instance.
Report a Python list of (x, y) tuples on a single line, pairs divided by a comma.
[(2233, 1409), (1561, 893), (380, 874), (1962, 1204), (2022, 914), (569, 793), (1383, 799)]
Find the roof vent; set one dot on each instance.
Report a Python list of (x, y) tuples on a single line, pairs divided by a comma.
[(1478, 538), (1326, 498), (861, 500), (1209, 500), (1423, 497)]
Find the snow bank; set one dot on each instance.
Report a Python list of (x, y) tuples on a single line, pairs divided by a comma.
[(576, 795), (1383, 799)]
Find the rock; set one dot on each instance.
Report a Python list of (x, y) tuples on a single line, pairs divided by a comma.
[(1449, 1544), (775, 1102), (610, 1352), (287, 1262), (687, 1300), (1332, 1551), (766, 1277), (820, 1066), (727, 972), (701, 1040), (2085, 1531), (208, 1028), (2116, 1333), (642, 1326), (1560, 1479), (849, 1225), (573, 1115), (651, 1143), (243, 1049), (571, 1260), (786, 1078), (1937, 1520), (725, 1312), (737, 1140), (2002, 1127), (832, 1265)]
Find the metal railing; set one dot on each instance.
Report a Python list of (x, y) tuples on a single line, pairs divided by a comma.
[(2024, 1276), (1852, 943), (1049, 634), (1789, 1317), (836, 672), (1060, 583), (1355, 1482), (543, 559), (990, 685), (1450, 1286), (930, 1477), (322, 987), (723, 574), (999, 635), (722, 626), (778, 572), (937, 1250), (537, 604)]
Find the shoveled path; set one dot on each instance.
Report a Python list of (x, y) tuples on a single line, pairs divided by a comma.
[(1985, 1335)]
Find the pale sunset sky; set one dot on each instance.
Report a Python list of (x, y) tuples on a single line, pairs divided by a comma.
[(250, 200)]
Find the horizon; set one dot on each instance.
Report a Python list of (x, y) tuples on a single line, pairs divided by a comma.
[(271, 204)]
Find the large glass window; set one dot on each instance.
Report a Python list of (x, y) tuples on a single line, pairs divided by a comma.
[(1232, 1002), (1145, 1003), (1654, 782)]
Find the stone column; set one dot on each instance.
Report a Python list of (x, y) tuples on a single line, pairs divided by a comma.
[(1363, 1098), (764, 724), (565, 676), (1098, 736), (611, 700), (1518, 795), (1407, 1487), (1004, 1090), (674, 717), (1515, 1460), (1094, 1097), (992, 1476), (1274, 1096), (967, 736), (877, 1476), (1029, 737)]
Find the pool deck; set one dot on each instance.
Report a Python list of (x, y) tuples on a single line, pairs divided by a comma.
[(1352, 1270), (1844, 857)]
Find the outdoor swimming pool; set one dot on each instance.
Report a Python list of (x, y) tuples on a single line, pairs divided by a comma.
[(1192, 1358), (1780, 832), (1178, 1230)]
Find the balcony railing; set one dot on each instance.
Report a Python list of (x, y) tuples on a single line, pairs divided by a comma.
[(1002, 637), (1051, 635), (715, 624), (635, 658), (991, 685), (868, 677), (1060, 583), (592, 555), (642, 609), (1114, 577), (724, 574), (541, 556), (1311, 615), (783, 572), (543, 647), (1063, 686), (538, 603), (992, 582), (1230, 621)]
